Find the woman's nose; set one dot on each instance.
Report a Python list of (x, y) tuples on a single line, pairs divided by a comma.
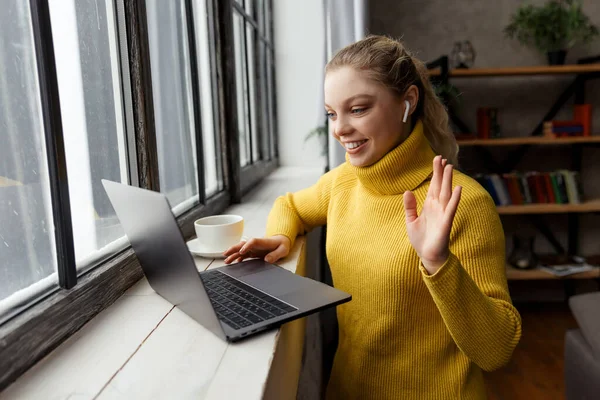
[(342, 127)]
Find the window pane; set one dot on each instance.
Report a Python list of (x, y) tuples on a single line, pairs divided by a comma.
[(271, 104), (241, 83), (84, 36), (213, 176), (268, 25), (249, 7), (250, 43), (261, 16), (27, 247), (264, 104), (173, 107)]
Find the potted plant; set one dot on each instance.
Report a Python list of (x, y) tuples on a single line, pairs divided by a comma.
[(553, 28), (320, 132), (447, 93)]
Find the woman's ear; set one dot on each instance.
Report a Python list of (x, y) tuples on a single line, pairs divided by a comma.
[(412, 96)]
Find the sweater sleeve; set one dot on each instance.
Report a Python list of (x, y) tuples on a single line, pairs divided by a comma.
[(470, 289), (296, 213)]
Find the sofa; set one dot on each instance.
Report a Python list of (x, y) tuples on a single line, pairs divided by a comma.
[(582, 349)]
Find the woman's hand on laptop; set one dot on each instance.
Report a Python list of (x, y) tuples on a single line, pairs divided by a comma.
[(270, 249)]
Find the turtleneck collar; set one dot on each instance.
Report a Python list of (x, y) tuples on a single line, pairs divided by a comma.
[(403, 168)]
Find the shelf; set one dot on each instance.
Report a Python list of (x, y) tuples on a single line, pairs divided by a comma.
[(513, 274), (529, 140), (521, 71), (587, 206)]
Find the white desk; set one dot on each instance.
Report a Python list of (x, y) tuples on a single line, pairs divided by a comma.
[(141, 347)]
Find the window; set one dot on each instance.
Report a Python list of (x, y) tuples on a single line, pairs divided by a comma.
[(213, 165), (173, 104), (241, 78), (180, 65), (28, 260), (157, 94), (93, 121), (254, 59)]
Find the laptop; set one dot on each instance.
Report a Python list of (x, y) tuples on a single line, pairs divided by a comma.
[(234, 301)]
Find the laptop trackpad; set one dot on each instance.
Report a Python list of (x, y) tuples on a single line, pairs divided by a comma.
[(274, 281)]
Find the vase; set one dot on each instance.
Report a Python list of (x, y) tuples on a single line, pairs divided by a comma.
[(522, 255), (556, 57)]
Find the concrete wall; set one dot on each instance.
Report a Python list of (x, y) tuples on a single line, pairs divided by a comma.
[(299, 62)]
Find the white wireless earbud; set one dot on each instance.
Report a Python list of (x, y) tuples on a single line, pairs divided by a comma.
[(406, 109)]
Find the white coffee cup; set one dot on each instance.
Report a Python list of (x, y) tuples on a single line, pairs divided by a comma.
[(217, 233)]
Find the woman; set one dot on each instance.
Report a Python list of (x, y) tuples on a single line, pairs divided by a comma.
[(430, 307)]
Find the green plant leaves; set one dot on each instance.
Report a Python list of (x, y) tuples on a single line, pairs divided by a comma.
[(319, 131), (553, 26)]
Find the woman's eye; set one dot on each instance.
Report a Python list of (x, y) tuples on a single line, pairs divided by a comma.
[(357, 110), (330, 115)]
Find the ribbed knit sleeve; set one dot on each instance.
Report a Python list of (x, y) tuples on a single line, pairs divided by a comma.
[(470, 290), (297, 213)]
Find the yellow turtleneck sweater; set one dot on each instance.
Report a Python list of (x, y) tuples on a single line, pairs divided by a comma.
[(407, 334)]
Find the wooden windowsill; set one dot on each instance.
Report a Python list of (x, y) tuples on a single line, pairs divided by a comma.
[(143, 347)]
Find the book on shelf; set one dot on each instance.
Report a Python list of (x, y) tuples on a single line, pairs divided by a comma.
[(533, 187), (557, 128), (561, 265), (565, 270), (580, 125), (487, 123), (582, 113)]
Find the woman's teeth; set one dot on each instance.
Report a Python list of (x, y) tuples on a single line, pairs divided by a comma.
[(353, 145)]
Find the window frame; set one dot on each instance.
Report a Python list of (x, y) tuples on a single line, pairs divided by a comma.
[(55, 148), (46, 322), (256, 171)]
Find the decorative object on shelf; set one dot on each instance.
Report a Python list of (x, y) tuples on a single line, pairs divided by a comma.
[(522, 255), (552, 28), (320, 132), (462, 55)]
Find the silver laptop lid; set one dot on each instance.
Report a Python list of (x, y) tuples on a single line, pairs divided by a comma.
[(153, 232)]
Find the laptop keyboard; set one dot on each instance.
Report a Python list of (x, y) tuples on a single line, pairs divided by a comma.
[(238, 304)]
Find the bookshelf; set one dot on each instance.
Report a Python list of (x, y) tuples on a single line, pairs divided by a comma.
[(514, 274), (586, 206), (515, 148), (528, 140), (519, 71)]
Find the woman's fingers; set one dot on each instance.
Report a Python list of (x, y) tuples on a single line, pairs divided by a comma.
[(250, 245), (250, 249), (436, 180), (446, 190), (410, 206), (450, 211), (231, 257), (275, 255), (234, 249), (272, 249)]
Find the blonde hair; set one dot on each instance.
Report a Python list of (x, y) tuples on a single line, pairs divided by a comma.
[(388, 62)]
